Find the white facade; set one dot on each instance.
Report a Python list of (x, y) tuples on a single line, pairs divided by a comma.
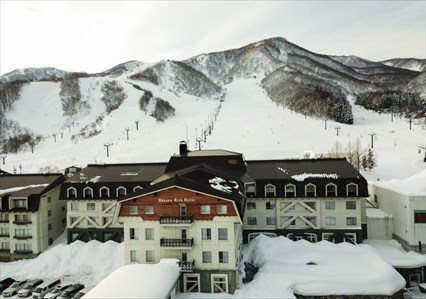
[(91, 213)]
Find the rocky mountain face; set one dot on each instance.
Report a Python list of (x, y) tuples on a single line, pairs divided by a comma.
[(309, 83)]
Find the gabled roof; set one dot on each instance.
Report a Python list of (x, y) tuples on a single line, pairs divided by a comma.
[(107, 173), (301, 169)]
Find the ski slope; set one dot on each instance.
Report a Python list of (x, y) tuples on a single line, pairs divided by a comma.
[(248, 122)]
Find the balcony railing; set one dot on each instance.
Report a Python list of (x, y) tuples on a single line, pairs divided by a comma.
[(23, 251), (4, 249), (176, 220), (22, 222), (177, 243), (4, 235), (186, 266), (4, 220), (23, 237)]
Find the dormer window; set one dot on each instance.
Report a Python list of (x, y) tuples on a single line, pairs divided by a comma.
[(88, 192), (121, 191), (137, 188), (352, 189), (104, 192), (330, 190), (290, 190), (310, 190), (71, 192), (269, 190), (250, 189)]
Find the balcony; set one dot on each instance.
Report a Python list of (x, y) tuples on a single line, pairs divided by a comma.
[(4, 235), (186, 266), (4, 249), (23, 252), (22, 237), (177, 243), (176, 220), (22, 222), (4, 220)]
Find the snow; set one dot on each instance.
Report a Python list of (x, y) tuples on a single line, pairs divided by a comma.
[(139, 281), (412, 186), (376, 213), (304, 176), (95, 179), (129, 174), (218, 184), (393, 253), (14, 189), (77, 262)]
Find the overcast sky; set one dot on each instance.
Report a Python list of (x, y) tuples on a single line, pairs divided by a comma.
[(93, 36)]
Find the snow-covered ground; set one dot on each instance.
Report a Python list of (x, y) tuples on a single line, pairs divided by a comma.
[(249, 122)]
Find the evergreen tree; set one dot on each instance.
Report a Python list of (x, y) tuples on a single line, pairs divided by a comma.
[(364, 163), (371, 160)]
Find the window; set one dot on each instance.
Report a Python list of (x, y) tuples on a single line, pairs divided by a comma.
[(222, 233), (133, 210), (74, 206), (23, 217), (105, 220), (49, 213), (4, 217), (310, 190), (292, 206), (207, 257), (350, 237), (351, 205), (270, 205), (22, 247), (105, 206), (328, 237), (251, 205), (290, 190), (419, 216), (150, 256), (49, 226), (133, 233), (330, 190), (205, 209), (311, 204), (250, 189), (73, 219), (4, 246), (191, 282), (71, 192), (312, 219), (149, 234), (251, 221), (63, 220), (222, 209), (137, 188), (134, 256), (91, 206), (104, 192), (149, 210), (352, 189), (350, 221), (330, 205), (330, 221), (4, 231), (269, 190), (223, 257), (121, 191), (20, 203), (271, 221), (88, 192), (219, 283), (206, 234), (49, 199), (22, 232)]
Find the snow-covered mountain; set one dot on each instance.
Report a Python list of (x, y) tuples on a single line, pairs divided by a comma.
[(268, 99), (414, 64)]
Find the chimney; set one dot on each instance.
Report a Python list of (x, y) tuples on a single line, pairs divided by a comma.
[(183, 148)]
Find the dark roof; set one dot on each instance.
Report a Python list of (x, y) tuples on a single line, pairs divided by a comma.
[(3, 172), (101, 173), (300, 169), (31, 186), (207, 153)]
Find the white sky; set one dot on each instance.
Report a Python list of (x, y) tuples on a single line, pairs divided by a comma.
[(94, 36)]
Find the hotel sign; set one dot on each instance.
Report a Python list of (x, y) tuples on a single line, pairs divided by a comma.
[(176, 200)]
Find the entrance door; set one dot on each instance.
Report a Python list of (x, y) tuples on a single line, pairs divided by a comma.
[(182, 210), (184, 256), (184, 234)]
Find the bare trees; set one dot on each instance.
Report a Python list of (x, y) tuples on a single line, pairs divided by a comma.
[(362, 158)]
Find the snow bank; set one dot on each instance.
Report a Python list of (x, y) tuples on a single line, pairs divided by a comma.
[(339, 269), (139, 281), (412, 186), (87, 263), (376, 213), (393, 253)]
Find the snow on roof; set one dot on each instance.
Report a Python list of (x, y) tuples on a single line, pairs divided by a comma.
[(393, 253), (339, 269), (376, 213), (412, 186), (139, 281), (10, 190), (223, 185), (301, 177)]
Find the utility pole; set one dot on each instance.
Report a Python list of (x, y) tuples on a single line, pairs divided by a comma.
[(325, 124), (3, 158), (20, 168), (337, 130), (54, 136), (372, 139), (199, 143), (409, 121), (127, 133), (107, 145), (137, 125)]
